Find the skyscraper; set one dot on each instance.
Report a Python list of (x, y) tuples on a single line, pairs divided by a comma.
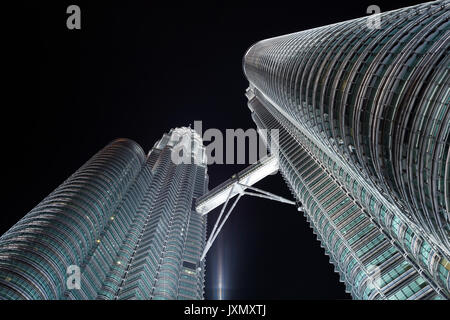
[(364, 120), (125, 219)]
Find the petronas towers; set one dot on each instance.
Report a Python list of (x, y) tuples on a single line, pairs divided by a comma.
[(362, 118)]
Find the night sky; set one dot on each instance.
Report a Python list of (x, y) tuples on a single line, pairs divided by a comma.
[(136, 70)]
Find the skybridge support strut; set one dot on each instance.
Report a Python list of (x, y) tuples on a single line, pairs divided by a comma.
[(238, 185), (240, 188)]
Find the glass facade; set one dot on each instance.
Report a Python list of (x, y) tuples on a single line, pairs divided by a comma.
[(125, 219), (364, 124)]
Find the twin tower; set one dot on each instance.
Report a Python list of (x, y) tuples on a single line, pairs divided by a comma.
[(363, 120)]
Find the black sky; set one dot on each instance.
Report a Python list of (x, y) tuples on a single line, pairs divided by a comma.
[(137, 69)]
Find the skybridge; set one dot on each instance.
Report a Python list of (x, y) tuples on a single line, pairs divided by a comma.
[(238, 185)]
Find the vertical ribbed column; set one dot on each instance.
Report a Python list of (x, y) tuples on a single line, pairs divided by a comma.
[(141, 267), (166, 284), (369, 263), (168, 236), (191, 283)]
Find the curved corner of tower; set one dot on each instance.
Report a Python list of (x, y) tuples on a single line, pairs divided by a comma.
[(244, 57), (129, 144)]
